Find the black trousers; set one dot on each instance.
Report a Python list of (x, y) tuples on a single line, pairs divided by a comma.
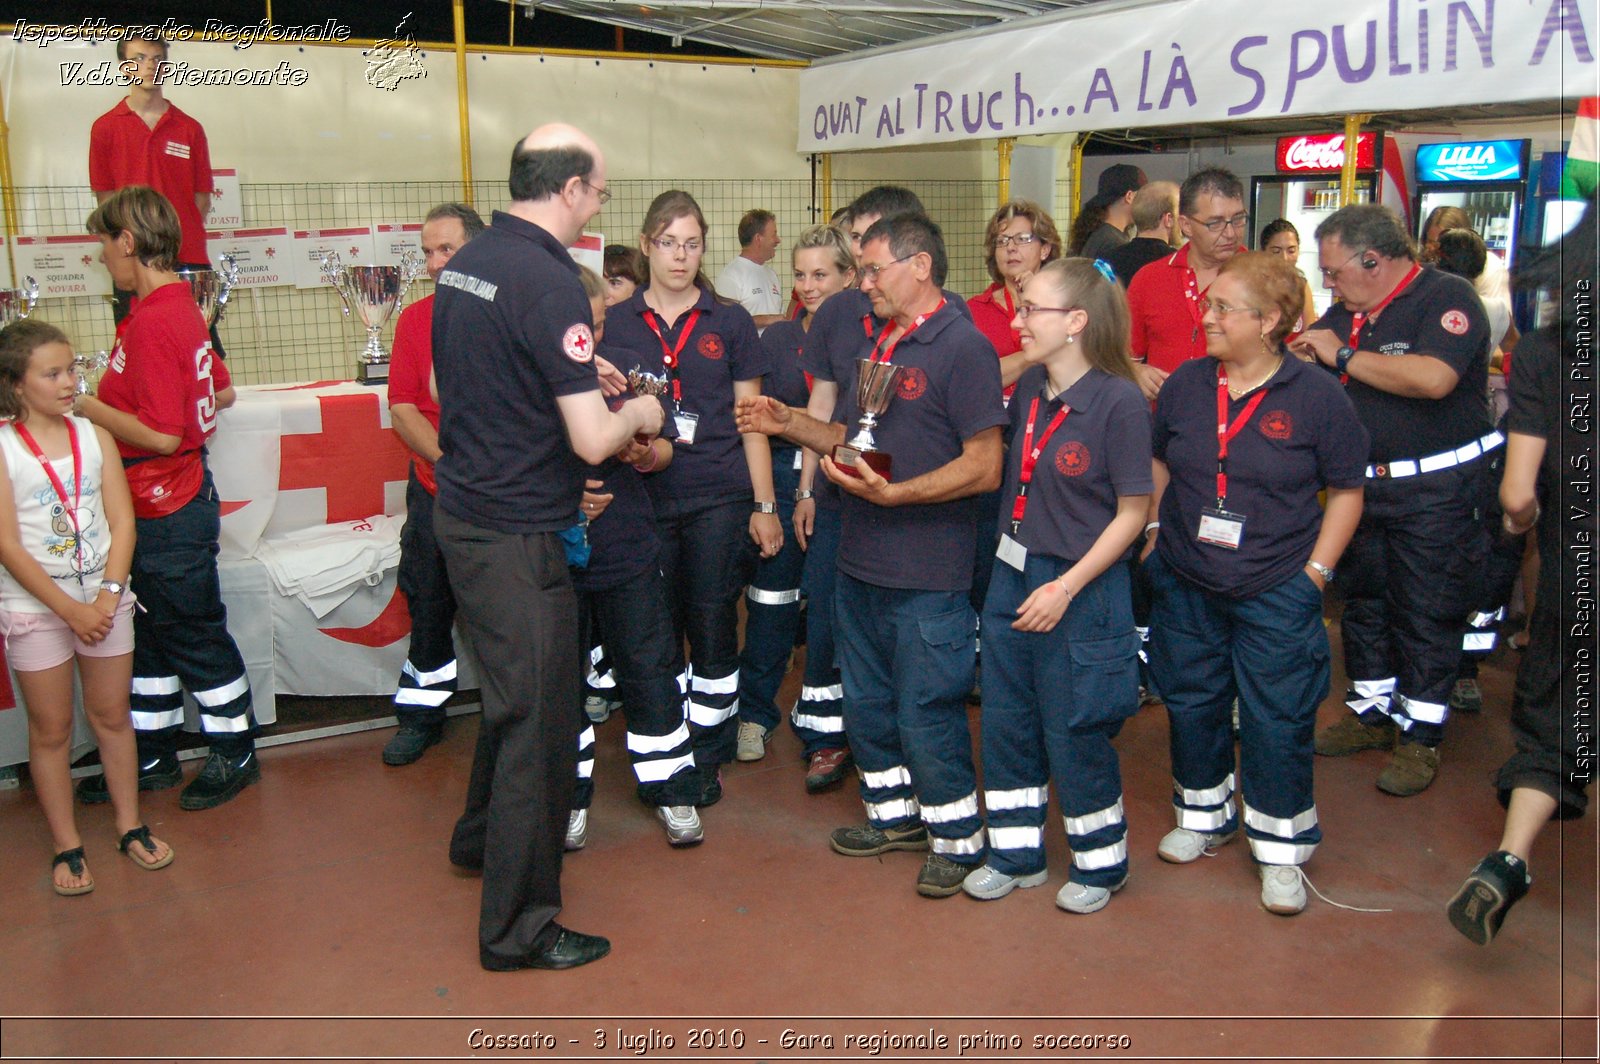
[(428, 678), (518, 607)]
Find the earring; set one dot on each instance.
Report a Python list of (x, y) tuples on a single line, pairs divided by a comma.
[(1072, 338), (1265, 346)]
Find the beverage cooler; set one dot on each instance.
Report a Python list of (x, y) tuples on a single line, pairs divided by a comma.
[(1305, 191), (1486, 178)]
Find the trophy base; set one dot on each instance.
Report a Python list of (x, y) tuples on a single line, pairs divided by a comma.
[(845, 457), (372, 372)]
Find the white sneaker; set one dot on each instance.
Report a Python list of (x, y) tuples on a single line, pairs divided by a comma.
[(577, 829), (1283, 889), (752, 744), (682, 823), (986, 883), (1082, 898), (1180, 845)]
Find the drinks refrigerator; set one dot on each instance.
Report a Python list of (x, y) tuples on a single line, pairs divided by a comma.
[(1305, 191), (1485, 178)]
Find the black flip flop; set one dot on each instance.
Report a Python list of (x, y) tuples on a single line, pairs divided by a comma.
[(73, 859), (141, 835)]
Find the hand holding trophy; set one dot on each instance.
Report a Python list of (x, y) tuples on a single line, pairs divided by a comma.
[(875, 384)]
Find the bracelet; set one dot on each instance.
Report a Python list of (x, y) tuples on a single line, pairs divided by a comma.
[(643, 466), (1321, 570), (765, 508), (1062, 580), (1514, 529), (1152, 524)]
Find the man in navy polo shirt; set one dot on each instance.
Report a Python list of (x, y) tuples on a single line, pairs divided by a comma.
[(1412, 345), (514, 358), (907, 638)]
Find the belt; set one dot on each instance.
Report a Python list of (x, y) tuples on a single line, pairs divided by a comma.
[(1410, 467)]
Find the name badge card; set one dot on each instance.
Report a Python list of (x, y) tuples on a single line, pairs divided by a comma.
[(1221, 528), (1012, 553), (688, 424)]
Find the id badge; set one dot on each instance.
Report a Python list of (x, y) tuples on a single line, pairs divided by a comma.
[(1012, 553), (797, 456), (1221, 528), (688, 424)]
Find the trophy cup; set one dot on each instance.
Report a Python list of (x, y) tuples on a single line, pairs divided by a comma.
[(211, 288), (18, 303), (372, 293), (875, 384), (646, 384), (89, 369)]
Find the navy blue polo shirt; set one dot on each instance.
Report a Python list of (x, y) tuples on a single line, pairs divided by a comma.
[(1304, 437), (784, 341), (623, 541), (1438, 314), (511, 333), (723, 348), (948, 391), (1100, 452)]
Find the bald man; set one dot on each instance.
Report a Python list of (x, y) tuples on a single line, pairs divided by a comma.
[(521, 416)]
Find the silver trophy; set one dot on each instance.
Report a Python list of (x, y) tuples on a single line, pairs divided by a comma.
[(371, 293), (875, 384), (211, 288), (18, 303), (89, 369), (651, 384)]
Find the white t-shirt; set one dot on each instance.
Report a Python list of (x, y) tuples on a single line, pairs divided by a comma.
[(1494, 288), (72, 553), (754, 286)]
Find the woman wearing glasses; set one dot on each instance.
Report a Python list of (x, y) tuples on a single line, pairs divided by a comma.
[(1060, 655), (717, 495), (823, 267), (1244, 440), (1021, 238)]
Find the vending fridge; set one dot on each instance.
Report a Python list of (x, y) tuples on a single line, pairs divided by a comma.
[(1486, 178), (1305, 190)]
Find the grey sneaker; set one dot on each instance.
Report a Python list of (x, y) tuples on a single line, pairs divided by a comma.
[(752, 744), (1083, 898), (988, 883), (682, 823), (1466, 696), (599, 708), (577, 829), (1283, 889), (941, 877), (1180, 845), (864, 840)]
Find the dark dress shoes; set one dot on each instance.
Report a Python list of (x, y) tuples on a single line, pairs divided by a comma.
[(568, 949)]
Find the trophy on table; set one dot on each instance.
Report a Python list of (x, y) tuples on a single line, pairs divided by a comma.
[(89, 369), (875, 384), (371, 293), (647, 384), (18, 303), (211, 288)]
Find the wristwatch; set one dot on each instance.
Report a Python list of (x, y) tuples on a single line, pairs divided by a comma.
[(1322, 571), (113, 587), (1341, 359), (765, 508), (802, 494)]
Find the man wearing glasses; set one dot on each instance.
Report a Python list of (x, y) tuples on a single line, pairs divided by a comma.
[(1411, 344), (1164, 298), (906, 630)]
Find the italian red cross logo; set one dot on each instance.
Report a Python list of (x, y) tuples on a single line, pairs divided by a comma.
[(710, 346), (352, 458), (1073, 459), (1277, 425), (578, 343)]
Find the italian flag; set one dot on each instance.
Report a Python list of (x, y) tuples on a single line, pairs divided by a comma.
[(1582, 173)]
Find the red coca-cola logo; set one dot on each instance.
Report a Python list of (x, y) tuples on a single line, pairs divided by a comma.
[(1323, 153)]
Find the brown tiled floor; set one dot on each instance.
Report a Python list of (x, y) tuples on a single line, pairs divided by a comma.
[(324, 892)]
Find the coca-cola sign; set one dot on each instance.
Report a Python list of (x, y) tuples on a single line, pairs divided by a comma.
[(1322, 153)]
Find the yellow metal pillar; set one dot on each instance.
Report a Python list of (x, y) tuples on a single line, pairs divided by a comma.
[(1003, 149), (1075, 183), (8, 195), (1347, 176), (461, 101), (827, 188)]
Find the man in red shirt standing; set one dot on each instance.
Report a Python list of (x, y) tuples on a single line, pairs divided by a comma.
[(146, 140), (428, 678), (1164, 298)]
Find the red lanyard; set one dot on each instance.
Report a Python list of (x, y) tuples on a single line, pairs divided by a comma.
[(1192, 293), (1030, 458), (1226, 432), (71, 507), (1359, 319), (888, 353), (669, 355)]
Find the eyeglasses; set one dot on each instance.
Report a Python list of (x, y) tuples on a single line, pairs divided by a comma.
[(1222, 310), (1329, 275), (870, 273), (1217, 225), (671, 246), (1027, 310), (1022, 240), (603, 193)]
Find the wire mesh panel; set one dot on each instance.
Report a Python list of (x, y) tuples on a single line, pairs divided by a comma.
[(278, 335)]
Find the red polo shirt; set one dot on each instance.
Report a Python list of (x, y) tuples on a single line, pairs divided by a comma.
[(1164, 305), (410, 365), (992, 317), (172, 158)]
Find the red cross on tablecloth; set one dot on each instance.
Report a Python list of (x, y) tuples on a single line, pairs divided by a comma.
[(352, 457)]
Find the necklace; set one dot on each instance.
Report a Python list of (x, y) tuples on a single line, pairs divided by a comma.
[(1244, 390)]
